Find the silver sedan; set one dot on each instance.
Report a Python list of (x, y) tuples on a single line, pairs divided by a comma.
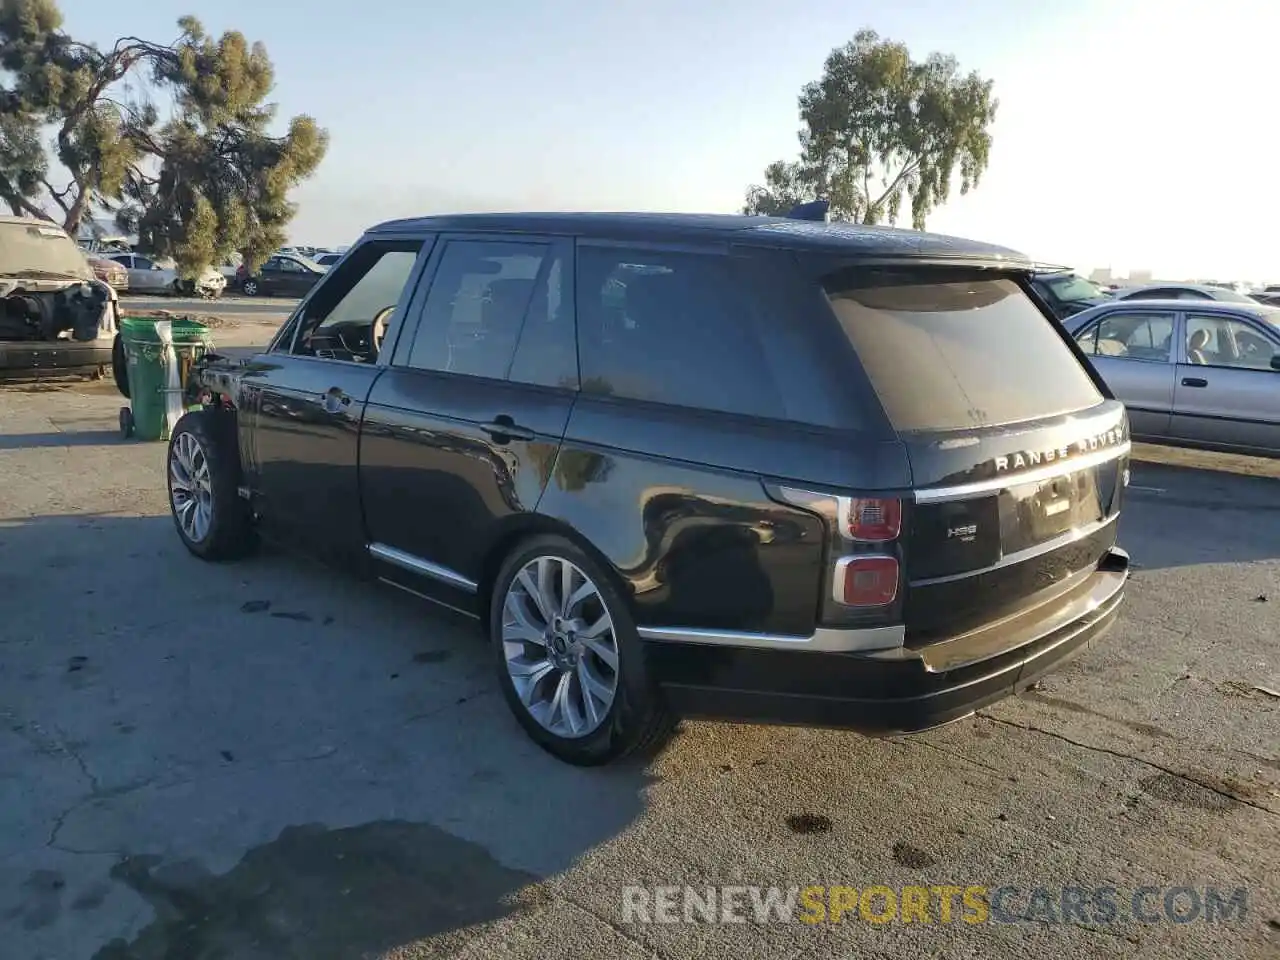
[(1203, 374)]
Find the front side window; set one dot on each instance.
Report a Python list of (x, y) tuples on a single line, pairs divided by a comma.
[(475, 313), (670, 327), (1223, 342), (349, 312), (1133, 336)]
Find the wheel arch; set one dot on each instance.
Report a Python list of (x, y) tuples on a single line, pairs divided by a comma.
[(526, 526)]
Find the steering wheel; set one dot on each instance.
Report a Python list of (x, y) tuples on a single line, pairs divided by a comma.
[(379, 325)]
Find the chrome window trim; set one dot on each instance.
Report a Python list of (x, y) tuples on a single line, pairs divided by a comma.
[(822, 640), (1061, 468), (425, 568), (1028, 553)]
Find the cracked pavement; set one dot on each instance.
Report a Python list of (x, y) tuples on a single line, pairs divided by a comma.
[(267, 759)]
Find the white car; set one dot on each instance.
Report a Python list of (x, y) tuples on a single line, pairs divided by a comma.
[(149, 276)]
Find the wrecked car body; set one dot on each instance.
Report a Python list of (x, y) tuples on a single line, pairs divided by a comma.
[(55, 314)]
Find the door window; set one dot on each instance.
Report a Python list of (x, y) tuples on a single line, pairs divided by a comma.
[(1132, 336), (351, 309), (487, 297), (142, 263), (670, 327), (1223, 342)]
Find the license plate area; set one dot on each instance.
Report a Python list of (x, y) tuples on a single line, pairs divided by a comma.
[(1033, 513)]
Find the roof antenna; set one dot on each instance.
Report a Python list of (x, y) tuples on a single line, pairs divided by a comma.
[(817, 210)]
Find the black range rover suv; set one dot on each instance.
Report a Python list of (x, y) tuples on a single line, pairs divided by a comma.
[(737, 467)]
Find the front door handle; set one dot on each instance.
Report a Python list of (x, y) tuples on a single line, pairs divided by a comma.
[(503, 430), (335, 399), (1194, 382)]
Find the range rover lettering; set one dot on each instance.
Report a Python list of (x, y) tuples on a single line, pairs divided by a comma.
[(760, 469)]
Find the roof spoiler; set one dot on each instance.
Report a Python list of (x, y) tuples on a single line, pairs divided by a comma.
[(813, 210)]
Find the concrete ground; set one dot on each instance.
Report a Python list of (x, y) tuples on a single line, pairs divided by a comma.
[(268, 760)]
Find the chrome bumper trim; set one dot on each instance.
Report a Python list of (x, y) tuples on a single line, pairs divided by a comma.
[(822, 640)]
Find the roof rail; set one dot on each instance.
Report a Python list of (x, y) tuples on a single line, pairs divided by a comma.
[(1039, 267), (813, 210)]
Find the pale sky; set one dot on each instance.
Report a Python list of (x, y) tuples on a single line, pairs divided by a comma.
[(1131, 133)]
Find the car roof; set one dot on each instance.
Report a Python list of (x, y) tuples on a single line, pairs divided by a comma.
[(1260, 311), (835, 237), (1201, 287)]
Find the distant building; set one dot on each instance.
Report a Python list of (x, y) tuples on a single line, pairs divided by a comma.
[(1101, 275)]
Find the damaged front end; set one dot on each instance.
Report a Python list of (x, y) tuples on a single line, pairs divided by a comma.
[(54, 313), (213, 381)]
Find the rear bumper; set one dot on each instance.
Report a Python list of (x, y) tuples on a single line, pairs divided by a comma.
[(899, 691), (54, 354)]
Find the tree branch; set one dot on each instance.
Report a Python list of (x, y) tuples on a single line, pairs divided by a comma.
[(58, 196), (906, 171)]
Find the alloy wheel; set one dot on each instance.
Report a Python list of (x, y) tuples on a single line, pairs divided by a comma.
[(560, 647), (190, 487)]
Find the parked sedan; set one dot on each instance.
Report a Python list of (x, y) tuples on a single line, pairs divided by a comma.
[(150, 276), (109, 272), (1183, 291), (1067, 293), (1205, 374), (283, 275)]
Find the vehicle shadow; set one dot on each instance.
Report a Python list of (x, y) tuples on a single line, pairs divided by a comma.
[(1177, 515), (278, 759), (59, 438)]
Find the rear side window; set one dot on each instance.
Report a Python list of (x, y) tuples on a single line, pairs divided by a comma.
[(949, 351), (670, 327)]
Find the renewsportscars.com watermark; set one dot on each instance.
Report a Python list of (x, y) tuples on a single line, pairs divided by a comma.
[(973, 904)]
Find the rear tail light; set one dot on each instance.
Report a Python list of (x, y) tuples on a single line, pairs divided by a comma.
[(863, 552), (870, 520), (865, 581)]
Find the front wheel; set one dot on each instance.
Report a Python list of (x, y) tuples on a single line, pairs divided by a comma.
[(569, 659), (211, 518)]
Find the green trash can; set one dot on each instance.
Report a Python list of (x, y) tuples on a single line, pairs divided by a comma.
[(148, 370)]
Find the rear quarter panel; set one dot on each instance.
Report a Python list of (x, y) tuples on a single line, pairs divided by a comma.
[(673, 499)]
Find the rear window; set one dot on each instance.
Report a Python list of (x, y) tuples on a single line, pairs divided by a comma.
[(948, 351)]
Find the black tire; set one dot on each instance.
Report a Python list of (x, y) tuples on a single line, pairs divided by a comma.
[(120, 367), (638, 719), (229, 532), (126, 423), (250, 287)]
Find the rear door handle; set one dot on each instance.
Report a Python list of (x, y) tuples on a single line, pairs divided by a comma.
[(503, 429), (1194, 382)]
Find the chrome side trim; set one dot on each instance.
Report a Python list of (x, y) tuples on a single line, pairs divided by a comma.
[(425, 568), (1060, 469), (822, 640), (1018, 556)]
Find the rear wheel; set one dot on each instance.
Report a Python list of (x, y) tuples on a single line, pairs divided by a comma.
[(569, 659), (203, 469), (250, 287)]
